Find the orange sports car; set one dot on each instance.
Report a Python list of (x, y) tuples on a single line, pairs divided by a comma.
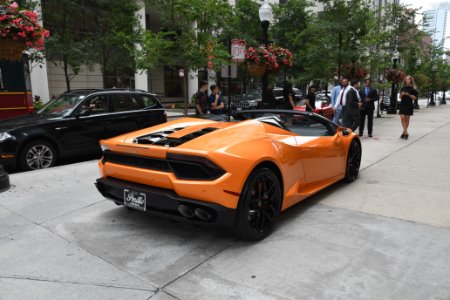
[(240, 174)]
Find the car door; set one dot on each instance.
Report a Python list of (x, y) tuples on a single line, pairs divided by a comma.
[(133, 111), (87, 125), (321, 146)]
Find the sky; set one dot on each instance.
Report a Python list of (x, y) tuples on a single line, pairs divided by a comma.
[(424, 4)]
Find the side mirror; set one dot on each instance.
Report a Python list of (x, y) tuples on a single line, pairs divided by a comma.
[(343, 131)]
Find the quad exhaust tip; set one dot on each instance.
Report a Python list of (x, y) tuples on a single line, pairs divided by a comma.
[(186, 211), (202, 214), (190, 213)]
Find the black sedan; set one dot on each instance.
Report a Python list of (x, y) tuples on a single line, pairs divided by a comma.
[(73, 124)]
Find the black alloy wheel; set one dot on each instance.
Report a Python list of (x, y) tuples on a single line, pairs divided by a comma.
[(37, 155), (259, 205), (353, 161)]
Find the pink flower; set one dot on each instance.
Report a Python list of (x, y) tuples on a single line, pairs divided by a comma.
[(13, 5)]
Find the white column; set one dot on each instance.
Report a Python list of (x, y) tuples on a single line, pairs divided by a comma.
[(192, 83), (141, 77), (38, 71)]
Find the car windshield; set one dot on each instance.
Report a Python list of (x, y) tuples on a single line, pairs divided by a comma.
[(61, 106)]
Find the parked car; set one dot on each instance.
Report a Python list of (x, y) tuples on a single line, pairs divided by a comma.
[(240, 174), (253, 98), (323, 108), (385, 102), (73, 124)]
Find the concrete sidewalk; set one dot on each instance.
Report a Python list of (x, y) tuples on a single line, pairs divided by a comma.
[(385, 236)]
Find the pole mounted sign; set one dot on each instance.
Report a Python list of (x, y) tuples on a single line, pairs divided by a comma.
[(238, 50)]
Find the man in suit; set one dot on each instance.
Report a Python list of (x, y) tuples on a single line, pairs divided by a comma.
[(368, 96), (351, 106)]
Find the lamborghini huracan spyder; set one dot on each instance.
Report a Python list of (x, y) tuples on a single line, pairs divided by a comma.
[(240, 174)]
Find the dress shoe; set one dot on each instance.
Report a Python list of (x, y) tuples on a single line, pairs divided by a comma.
[(360, 134), (370, 135)]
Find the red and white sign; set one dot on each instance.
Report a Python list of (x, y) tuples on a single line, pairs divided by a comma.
[(238, 50)]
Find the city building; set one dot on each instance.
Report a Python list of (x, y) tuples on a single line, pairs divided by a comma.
[(436, 23)]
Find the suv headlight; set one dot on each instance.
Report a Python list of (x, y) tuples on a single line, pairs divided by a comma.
[(4, 136)]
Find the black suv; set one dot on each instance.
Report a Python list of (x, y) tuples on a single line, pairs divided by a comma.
[(73, 124)]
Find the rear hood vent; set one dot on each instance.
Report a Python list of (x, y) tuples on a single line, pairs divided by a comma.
[(162, 138)]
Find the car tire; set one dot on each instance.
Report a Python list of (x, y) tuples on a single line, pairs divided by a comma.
[(36, 155), (353, 161), (259, 205)]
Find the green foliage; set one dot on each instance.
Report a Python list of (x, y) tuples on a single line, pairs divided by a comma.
[(244, 23), (291, 22), (117, 30), (92, 32), (153, 49), (194, 26)]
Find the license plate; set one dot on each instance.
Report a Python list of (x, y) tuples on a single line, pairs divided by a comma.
[(133, 199), (239, 108)]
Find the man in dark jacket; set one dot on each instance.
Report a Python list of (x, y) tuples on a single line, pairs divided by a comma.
[(351, 106), (368, 97), (200, 98)]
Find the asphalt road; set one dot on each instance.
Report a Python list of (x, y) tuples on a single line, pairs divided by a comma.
[(385, 236)]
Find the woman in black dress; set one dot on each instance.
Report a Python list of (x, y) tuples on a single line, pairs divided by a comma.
[(408, 94)]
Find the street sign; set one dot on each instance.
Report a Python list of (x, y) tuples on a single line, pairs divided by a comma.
[(238, 50)]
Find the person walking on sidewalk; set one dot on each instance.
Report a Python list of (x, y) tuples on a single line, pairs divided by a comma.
[(334, 98), (368, 96), (351, 102), (408, 94)]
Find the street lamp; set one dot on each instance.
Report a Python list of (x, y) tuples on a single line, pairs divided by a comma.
[(433, 73), (393, 103), (266, 17), (416, 102)]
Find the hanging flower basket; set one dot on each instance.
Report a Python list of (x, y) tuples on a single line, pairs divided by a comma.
[(256, 70), (395, 75), (11, 50), (352, 71), (271, 59), (19, 31)]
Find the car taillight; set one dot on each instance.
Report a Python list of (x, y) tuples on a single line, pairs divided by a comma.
[(191, 167)]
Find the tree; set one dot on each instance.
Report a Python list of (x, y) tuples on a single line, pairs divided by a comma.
[(193, 27), (117, 32), (336, 37), (70, 45), (291, 22)]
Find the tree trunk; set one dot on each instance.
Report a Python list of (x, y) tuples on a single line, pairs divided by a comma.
[(339, 55), (186, 92), (66, 72)]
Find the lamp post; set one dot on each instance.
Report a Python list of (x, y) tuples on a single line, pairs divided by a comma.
[(416, 102), (393, 102), (433, 73), (266, 17)]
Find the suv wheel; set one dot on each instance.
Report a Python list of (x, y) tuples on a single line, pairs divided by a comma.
[(37, 155)]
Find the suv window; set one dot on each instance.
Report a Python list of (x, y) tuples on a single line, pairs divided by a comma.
[(95, 105), (147, 100), (126, 102)]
